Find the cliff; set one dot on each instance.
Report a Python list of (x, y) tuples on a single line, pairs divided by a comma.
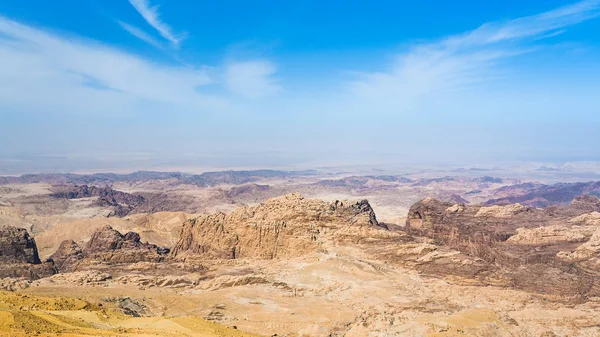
[(281, 227)]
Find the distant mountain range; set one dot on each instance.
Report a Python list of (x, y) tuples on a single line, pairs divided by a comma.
[(203, 180), (541, 195)]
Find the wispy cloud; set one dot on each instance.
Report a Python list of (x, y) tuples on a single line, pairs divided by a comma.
[(252, 79), (45, 72), (152, 17), (460, 61), (76, 76), (140, 34)]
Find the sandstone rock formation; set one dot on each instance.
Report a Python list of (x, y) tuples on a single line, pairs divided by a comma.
[(19, 256), (588, 253), (541, 250), (92, 277), (506, 211), (68, 254), (107, 246), (281, 227)]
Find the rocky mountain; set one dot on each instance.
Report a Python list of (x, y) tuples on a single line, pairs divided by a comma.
[(392, 178), (123, 203), (455, 199), (524, 247), (284, 226), (19, 255), (241, 177), (541, 195), (351, 182), (295, 266), (88, 179), (247, 190), (107, 246), (204, 179), (363, 182), (108, 194)]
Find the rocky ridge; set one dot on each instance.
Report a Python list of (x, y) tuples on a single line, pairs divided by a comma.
[(542, 250), (541, 195), (107, 246), (121, 202), (281, 227)]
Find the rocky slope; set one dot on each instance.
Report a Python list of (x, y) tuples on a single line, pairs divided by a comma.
[(19, 256), (532, 249), (241, 177), (96, 178), (205, 179), (281, 227), (160, 228), (108, 247), (541, 195), (121, 202)]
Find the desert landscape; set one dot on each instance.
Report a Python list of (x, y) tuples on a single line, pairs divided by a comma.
[(297, 253), (299, 168)]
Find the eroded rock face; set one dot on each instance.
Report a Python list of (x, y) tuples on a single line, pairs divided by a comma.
[(16, 246), (69, 253), (587, 253), (285, 226), (546, 251), (19, 255), (506, 211), (473, 229), (107, 246)]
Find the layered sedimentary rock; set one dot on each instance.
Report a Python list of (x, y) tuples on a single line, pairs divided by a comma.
[(107, 246), (19, 256), (543, 250), (281, 227)]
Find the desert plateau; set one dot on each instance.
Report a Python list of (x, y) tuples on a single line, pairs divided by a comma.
[(297, 253), (299, 168)]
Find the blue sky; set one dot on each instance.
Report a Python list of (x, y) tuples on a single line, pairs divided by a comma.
[(334, 81)]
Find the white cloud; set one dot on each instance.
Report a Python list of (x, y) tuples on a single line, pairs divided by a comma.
[(252, 79), (140, 34), (45, 72), (464, 60), (152, 17)]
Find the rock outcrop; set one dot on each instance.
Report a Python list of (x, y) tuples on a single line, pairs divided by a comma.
[(16, 246), (546, 251), (587, 253), (506, 211), (121, 202), (19, 255), (69, 253), (107, 246), (247, 190), (281, 227)]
